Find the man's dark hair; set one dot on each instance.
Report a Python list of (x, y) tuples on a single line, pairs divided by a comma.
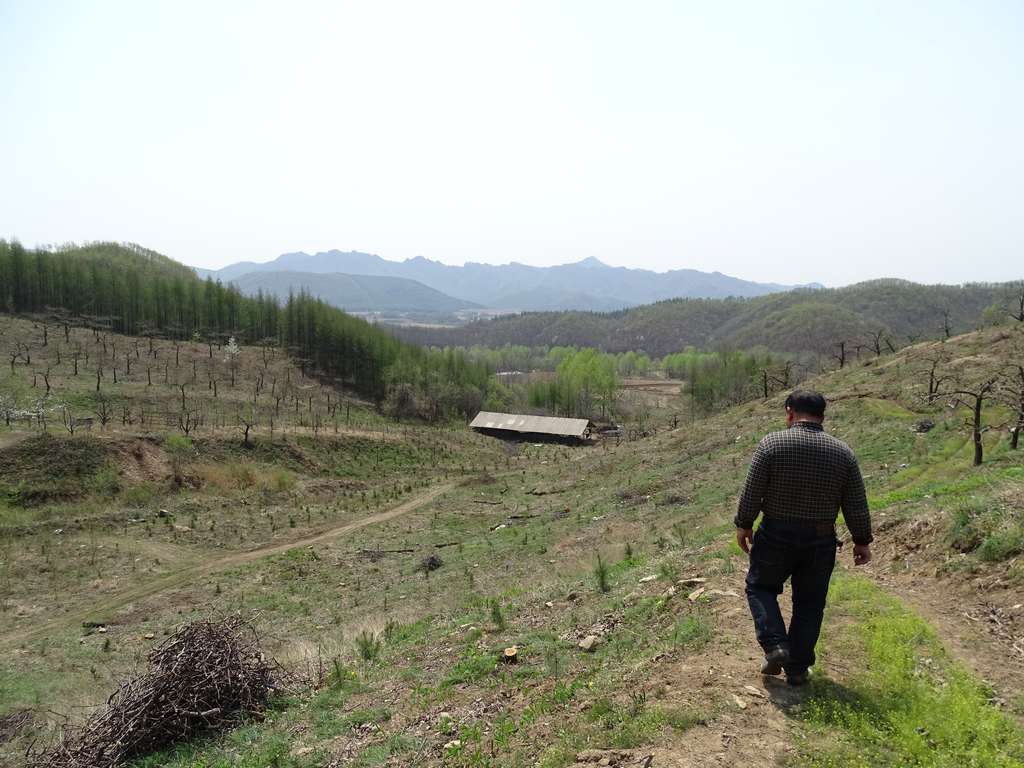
[(807, 401)]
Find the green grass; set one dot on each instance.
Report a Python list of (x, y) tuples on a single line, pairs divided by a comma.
[(474, 665), (907, 702), (48, 468), (318, 602)]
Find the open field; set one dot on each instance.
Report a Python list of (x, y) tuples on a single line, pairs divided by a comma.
[(323, 534)]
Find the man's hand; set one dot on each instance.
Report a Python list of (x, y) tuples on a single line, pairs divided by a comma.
[(861, 553), (745, 538)]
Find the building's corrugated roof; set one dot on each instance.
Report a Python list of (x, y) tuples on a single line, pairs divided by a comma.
[(547, 425)]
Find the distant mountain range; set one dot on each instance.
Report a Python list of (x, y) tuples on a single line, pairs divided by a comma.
[(587, 285), (354, 293)]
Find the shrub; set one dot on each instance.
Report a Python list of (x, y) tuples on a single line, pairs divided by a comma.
[(1001, 545), (281, 480), (962, 533), (368, 646), (180, 451), (603, 574), (105, 482), (141, 494), (496, 615)]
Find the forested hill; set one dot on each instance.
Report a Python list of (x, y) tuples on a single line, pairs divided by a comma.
[(126, 289), (801, 320)]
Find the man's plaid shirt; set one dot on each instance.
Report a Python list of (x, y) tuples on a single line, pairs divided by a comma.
[(805, 475)]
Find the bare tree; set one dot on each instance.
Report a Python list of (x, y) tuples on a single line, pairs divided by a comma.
[(76, 355), (1017, 298), (248, 416), (974, 398), (9, 407), (880, 341), (42, 320), (946, 327), (21, 352), (935, 375), (842, 353), (190, 418), (212, 379), (317, 419), (69, 421), (104, 408), (1011, 392), (777, 374)]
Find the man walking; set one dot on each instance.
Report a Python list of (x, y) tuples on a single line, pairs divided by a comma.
[(799, 478)]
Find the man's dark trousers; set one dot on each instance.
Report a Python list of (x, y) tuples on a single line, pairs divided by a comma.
[(808, 555)]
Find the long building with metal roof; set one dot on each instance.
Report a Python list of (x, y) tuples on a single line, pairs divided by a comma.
[(532, 427)]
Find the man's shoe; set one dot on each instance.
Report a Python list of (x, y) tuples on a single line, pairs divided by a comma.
[(774, 661), (800, 678)]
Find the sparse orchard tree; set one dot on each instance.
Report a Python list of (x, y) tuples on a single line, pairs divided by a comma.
[(37, 409), (842, 353), (779, 374), (231, 357), (974, 398), (68, 420), (1016, 301), (45, 372), (880, 340), (1011, 393), (76, 355), (103, 407), (9, 396), (933, 370), (248, 416), (945, 326), (190, 418)]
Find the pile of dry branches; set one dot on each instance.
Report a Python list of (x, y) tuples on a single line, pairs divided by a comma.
[(13, 723), (202, 679)]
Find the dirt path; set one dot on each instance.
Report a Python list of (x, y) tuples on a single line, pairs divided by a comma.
[(194, 571), (978, 622), (11, 437)]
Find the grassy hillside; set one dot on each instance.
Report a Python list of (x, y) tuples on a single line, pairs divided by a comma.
[(113, 288), (324, 539)]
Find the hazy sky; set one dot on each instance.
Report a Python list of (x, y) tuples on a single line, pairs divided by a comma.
[(772, 141)]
